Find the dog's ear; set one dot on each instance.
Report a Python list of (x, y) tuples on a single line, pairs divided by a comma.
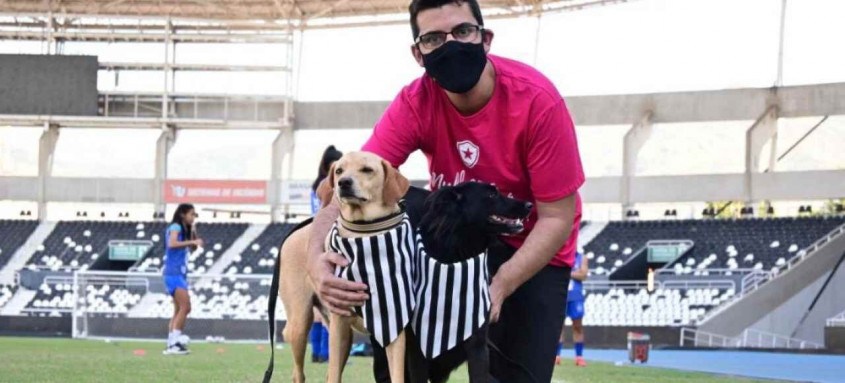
[(442, 211), (325, 191), (395, 185)]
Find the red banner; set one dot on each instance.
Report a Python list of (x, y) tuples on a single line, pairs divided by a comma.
[(215, 191)]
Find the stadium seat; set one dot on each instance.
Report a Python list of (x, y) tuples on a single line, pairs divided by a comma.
[(763, 239), (14, 234), (260, 256), (664, 307), (6, 293), (75, 244), (218, 238)]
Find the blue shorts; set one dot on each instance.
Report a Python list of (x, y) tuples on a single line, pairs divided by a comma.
[(173, 282), (575, 309)]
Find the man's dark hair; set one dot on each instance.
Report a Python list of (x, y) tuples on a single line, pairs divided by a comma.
[(420, 5)]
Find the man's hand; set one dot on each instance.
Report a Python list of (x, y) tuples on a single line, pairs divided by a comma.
[(499, 291), (338, 294), (554, 224)]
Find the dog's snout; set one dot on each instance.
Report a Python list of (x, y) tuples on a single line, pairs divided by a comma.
[(529, 205), (345, 183)]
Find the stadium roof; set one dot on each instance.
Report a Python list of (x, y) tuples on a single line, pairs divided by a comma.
[(298, 11)]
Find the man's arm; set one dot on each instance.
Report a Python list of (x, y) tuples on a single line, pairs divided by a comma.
[(581, 273), (337, 294), (554, 224)]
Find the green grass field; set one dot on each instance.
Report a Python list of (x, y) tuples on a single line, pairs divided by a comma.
[(67, 360)]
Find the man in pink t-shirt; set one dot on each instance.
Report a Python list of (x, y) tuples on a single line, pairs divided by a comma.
[(486, 118)]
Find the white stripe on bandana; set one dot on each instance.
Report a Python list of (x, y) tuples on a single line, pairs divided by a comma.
[(454, 301), (383, 262)]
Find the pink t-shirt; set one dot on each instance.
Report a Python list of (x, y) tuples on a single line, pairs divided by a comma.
[(523, 141)]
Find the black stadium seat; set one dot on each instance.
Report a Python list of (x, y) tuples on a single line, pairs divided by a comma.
[(718, 243), (13, 234), (260, 256), (77, 244)]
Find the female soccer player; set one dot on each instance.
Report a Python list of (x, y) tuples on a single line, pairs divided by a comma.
[(319, 334), (181, 239), (575, 310)]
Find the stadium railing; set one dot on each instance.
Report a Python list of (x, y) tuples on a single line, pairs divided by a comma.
[(722, 284), (191, 105), (810, 250), (837, 321), (750, 338), (697, 338)]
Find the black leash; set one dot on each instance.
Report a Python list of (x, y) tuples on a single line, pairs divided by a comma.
[(511, 361), (271, 304)]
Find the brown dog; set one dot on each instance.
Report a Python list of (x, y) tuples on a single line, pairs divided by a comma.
[(367, 188)]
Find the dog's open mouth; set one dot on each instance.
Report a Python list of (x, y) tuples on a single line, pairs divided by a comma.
[(350, 196), (514, 225)]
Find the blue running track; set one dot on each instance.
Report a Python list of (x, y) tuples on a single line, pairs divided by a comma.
[(767, 365)]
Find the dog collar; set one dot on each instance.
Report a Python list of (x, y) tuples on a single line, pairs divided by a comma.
[(377, 225)]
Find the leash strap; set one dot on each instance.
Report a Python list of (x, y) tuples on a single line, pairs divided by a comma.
[(271, 304), (511, 361)]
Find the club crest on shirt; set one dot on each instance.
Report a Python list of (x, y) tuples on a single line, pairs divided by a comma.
[(469, 152)]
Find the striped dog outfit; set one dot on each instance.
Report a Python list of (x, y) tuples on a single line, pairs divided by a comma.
[(383, 262), (453, 301)]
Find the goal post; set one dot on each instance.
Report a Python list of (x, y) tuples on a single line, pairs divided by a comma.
[(135, 305)]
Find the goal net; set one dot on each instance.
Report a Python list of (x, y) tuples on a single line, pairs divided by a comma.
[(136, 305)]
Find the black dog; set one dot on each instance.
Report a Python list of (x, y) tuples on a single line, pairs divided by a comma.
[(459, 223)]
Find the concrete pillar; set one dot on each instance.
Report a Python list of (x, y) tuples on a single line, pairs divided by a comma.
[(764, 130), (635, 139), (537, 37), (165, 142), (46, 151), (168, 60), (282, 157)]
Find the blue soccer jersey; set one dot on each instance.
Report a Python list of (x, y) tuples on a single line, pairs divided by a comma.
[(175, 260), (576, 288), (315, 203)]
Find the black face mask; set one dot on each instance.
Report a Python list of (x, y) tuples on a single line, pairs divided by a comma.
[(456, 66)]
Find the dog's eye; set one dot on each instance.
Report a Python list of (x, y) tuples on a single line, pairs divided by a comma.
[(338, 171), (366, 170), (492, 195)]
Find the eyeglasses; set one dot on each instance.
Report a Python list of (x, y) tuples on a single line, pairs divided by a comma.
[(464, 33)]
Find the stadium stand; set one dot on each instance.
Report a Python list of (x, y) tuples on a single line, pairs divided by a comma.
[(760, 243), (260, 256), (770, 241), (6, 293), (51, 299), (218, 238), (14, 234), (102, 298), (220, 298), (634, 306), (77, 244)]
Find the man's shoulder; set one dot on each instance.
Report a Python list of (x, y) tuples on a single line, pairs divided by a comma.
[(523, 78), (419, 91)]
